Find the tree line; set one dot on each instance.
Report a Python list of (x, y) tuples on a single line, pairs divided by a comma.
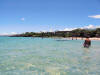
[(73, 33)]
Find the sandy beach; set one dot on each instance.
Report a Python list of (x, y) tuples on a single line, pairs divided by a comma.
[(76, 38), (79, 38)]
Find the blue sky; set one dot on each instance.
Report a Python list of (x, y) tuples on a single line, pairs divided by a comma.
[(42, 15)]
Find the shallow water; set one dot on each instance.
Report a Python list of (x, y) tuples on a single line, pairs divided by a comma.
[(37, 56)]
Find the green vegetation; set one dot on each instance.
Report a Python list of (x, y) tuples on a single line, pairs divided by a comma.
[(73, 33)]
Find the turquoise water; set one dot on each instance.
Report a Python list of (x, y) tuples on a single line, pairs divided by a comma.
[(37, 56)]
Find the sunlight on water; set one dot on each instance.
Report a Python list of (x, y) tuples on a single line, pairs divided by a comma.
[(37, 56)]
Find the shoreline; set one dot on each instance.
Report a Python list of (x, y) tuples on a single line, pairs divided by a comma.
[(65, 38), (80, 38), (76, 38)]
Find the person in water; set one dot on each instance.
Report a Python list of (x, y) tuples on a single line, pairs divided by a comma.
[(87, 42)]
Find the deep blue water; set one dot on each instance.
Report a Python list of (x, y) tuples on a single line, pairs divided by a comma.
[(37, 56)]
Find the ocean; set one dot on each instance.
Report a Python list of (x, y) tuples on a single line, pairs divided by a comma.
[(48, 56)]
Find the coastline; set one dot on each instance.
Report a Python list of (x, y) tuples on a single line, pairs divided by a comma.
[(80, 38), (76, 38), (65, 38)]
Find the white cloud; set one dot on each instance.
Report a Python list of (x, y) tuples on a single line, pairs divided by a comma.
[(12, 33), (69, 29), (85, 27), (22, 19), (95, 16), (43, 31), (90, 27), (4, 34)]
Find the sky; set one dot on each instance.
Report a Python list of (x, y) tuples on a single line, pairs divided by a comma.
[(18, 16)]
